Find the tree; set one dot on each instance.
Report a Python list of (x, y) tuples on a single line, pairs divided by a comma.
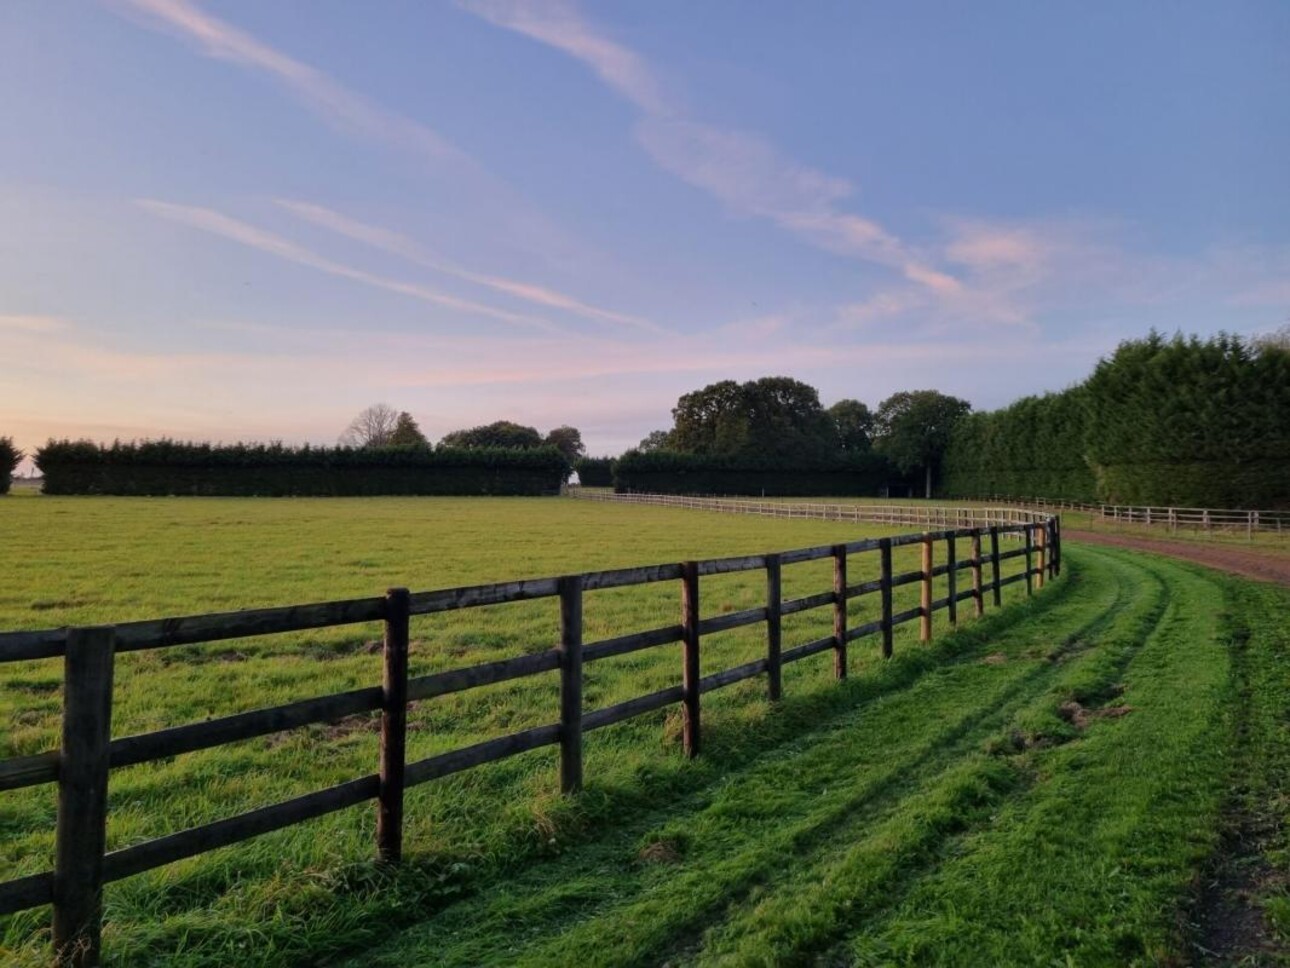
[(568, 441), (502, 433), (853, 424), (771, 417), (913, 429), (655, 440), (10, 456), (406, 432), (371, 428)]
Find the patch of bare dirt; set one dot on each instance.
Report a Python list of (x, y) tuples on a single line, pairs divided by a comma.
[(995, 658), (1248, 563), (1080, 716)]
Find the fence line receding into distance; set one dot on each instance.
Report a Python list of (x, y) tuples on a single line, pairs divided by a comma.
[(88, 752)]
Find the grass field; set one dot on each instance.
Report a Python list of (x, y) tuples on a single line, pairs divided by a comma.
[(936, 808)]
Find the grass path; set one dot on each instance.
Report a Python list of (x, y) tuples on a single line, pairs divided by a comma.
[(965, 818)]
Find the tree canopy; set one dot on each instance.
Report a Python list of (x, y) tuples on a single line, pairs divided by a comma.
[(770, 417), (406, 433), (568, 441), (502, 433), (853, 424), (913, 429)]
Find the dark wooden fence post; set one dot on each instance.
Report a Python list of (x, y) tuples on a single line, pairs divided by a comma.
[(571, 684), (884, 575), (394, 728), (925, 624), (774, 628), (1041, 547), (978, 596), (81, 829), (690, 658), (1057, 546), (840, 611), (1030, 564), (952, 579), (995, 578)]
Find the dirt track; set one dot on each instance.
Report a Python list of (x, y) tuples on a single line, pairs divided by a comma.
[(1249, 564)]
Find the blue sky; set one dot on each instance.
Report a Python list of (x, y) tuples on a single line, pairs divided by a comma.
[(248, 220)]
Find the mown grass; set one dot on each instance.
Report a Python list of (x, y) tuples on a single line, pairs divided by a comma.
[(1042, 787), (311, 889)]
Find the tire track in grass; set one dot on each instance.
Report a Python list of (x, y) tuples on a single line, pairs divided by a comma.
[(603, 884), (818, 903), (1090, 863)]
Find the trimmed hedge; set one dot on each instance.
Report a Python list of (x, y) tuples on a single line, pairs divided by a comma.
[(595, 471), (667, 472), (165, 467), (9, 458), (1032, 448), (1174, 422), (1186, 421)]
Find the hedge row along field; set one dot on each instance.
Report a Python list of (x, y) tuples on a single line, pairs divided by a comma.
[(1181, 422), (159, 468), (668, 472), (595, 471)]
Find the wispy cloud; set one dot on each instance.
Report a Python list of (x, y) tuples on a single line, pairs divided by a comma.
[(330, 100), (406, 248), (745, 172), (28, 323), (217, 223), (559, 25)]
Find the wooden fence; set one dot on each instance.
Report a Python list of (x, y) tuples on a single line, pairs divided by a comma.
[(919, 515), (88, 751), (1229, 520)]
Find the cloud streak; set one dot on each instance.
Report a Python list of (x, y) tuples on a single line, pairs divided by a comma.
[(745, 172), (331, 101), (402, 246), (217, 223)]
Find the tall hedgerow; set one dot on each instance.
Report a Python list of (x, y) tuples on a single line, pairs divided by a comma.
[(162, 467), (1165, 421)]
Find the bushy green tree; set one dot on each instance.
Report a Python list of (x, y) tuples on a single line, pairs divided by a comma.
[(502, 433), (853, 425), (655, 440), (913, 430), (406, 433), (10, 456), (568, 441), (774, 417)]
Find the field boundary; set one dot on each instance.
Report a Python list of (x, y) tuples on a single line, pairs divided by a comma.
[(88, 752), (1228, 520), (913, 514)]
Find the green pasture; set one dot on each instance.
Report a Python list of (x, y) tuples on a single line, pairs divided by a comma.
[(930, 808)]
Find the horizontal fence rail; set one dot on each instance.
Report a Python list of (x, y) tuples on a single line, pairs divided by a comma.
[(1230, 520), (82, 765), (920, 515)]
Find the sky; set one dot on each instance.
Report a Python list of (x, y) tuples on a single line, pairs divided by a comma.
[(238, 220)]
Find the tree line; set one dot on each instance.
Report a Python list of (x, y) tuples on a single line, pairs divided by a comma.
[(1178, 421), (380, 425), (774, 436)]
